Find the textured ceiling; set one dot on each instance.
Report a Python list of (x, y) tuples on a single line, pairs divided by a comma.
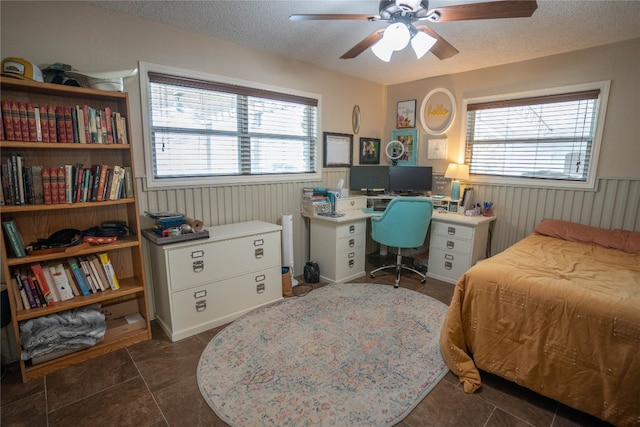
[(555, 27)]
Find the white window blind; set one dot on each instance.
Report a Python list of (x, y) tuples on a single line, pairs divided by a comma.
[(545, 137), (206, 129)]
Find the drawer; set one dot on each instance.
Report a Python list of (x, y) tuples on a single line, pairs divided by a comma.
[(206, 303), (449, 264), (350, 263), (203, 263), (350, 243), (452, 230), (351, 229), (351, 204), (450, 244)]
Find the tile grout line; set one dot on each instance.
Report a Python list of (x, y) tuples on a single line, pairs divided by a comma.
[(147, 386)]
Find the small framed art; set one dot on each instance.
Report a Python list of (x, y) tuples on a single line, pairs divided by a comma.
[(406, 115), (409, 140), (338, 149), (369, 151)]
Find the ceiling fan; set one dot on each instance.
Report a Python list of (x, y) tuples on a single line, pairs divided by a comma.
[(402, 14)]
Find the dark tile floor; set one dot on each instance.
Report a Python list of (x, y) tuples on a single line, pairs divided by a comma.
[(154, 384)]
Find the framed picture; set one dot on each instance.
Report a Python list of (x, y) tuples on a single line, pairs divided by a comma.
[(406, 116), (437, 111), (369, 151), (338, 149), (409, 140)]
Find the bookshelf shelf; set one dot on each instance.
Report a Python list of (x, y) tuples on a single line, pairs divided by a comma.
[(39, 221)]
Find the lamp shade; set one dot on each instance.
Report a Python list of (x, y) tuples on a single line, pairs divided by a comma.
[(421, 43), (383, 50)]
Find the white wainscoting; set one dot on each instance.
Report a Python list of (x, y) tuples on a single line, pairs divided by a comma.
[(616, 204)]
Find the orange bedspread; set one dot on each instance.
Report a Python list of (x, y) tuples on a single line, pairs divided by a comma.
[(559, 317)]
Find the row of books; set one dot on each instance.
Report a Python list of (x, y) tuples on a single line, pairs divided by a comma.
[(25, 121), (24, 184), (42, 285)]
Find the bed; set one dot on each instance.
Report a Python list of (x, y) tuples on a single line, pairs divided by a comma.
[(559, 313)]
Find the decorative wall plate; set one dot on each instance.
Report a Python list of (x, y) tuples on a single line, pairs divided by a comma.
[(438, 111), (355, 119)]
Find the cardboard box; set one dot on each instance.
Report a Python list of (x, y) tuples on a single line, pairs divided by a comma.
[(120, 309)]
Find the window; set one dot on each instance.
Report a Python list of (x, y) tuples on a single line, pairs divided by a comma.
[(549, 138), (200, 131)]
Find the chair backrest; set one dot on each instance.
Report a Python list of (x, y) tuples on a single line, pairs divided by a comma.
[(404, 223)]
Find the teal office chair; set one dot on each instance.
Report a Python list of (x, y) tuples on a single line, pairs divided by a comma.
[(403, 224)]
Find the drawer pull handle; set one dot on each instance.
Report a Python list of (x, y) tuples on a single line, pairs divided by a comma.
[(260, 278), (258, 242), (351, 254), (200, 294), (451, 231), (352, 242), (201, 306), (259, 253), (198, 266), (260, 288), (448, 265), (351, 263), (448, 256), (197, 254), (352, 229), (450, 244)]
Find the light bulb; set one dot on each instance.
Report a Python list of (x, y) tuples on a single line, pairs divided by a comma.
[(421, 43)]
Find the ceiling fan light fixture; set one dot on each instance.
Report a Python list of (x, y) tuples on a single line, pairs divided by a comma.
[(422, 43), (383, 50), (397, 35)]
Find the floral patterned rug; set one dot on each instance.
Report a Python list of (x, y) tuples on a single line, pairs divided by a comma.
[(344, 355)]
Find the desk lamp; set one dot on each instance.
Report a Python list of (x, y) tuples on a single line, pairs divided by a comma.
[(456, 172)]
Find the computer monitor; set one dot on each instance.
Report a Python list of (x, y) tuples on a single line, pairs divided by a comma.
[(369, 178), (410, 179)]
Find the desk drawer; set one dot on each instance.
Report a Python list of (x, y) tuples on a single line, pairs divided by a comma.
[(452, 230), (197, 264), (205, 303), (350, 243), (351, 229), (449, 264), (350, 263), (451, 244)]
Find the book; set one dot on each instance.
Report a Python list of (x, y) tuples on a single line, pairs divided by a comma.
[(69, 179), (128, 182), (108, 125), (27, 280), (61, 281), (27, 175), (15, 238), (71, 279), (31, 122), (7, 120), (53, 179), (109, 270), (99, 272), (62, 190), (44, 122), (38, 123), (101, 182), (7, 185), (81, 129), (24, 121), (52, 285), (46, 186), (26, 288), (118, 173), (87, 127), (22, 302), (38, 191), (19, 173), (61, 127), (68, 124), (78, 274), (87, 274), (53, 127), (74, 123), (15, 118), (43, 285)]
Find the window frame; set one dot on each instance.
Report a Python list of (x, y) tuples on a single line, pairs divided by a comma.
[(590, 182), (181, 182)]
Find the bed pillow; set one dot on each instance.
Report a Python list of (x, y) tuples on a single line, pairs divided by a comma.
[(628, 241)]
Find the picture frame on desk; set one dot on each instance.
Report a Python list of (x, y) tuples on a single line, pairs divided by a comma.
[(369, 151), (338, 149), (409, 140)]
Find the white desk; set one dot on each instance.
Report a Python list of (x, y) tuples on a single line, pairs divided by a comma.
[(338, 244)]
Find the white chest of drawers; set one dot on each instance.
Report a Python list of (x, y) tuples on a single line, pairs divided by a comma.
[(457, 242), (201, 284)]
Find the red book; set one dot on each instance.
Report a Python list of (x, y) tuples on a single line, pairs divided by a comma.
[(15, 115), (7, 119), (46, 186), (53, 174), (60, 124), (62, 188), (24, 121), (43, 284), (31, 122), (44, 122), (107, 113), (101, 182), (68, 124), (53, 132)]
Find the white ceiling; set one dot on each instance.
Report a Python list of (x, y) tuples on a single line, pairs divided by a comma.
[(555, 27)]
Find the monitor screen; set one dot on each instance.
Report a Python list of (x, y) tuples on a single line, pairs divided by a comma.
[(369, 178), (410, 179)]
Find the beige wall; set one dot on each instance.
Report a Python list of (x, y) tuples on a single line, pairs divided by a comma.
[(620, 63), (94, 39)]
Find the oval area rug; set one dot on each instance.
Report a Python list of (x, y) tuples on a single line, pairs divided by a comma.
[(344, 355)]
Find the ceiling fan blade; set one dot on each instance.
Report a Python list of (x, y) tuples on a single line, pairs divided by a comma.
[(365, 44), (442, 49), (487, 10), (329, 16)]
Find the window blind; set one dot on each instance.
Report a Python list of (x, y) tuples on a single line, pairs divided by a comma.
[(202, 129), (545, 137)]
